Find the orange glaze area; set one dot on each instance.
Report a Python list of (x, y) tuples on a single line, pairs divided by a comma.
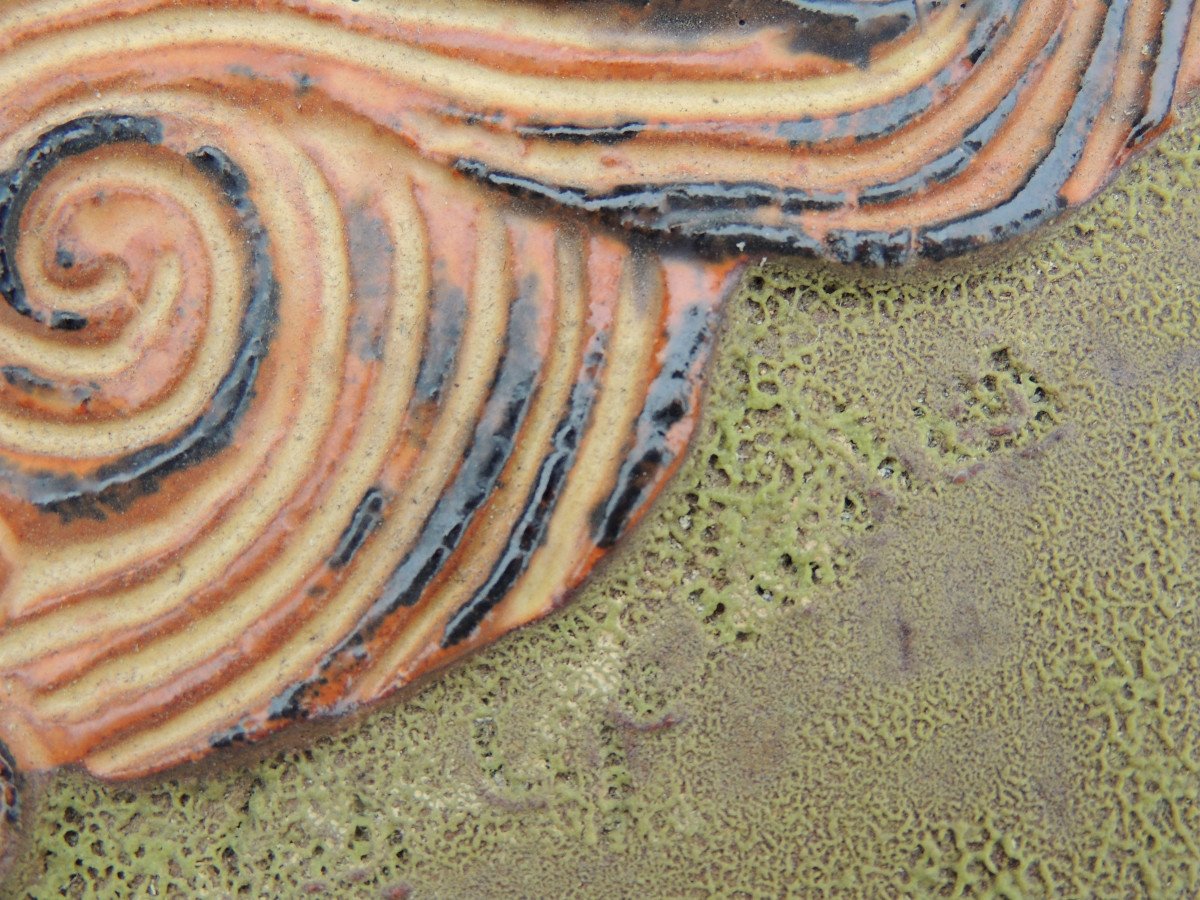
[(763, 54), (1107, 143), (341, 339), (1189, 71)]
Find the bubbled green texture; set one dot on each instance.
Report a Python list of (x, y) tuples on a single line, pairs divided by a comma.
[(917, 617)]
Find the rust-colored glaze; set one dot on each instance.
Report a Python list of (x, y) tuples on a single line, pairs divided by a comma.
[(341, 339)]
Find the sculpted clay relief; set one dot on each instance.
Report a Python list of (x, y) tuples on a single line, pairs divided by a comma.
[(341, 338)]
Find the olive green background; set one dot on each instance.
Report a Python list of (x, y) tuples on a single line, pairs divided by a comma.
[(918, 617)]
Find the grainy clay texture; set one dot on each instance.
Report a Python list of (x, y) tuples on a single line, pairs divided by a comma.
[(918, 617)]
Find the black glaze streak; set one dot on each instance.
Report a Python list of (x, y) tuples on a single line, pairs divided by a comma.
[(61, 320), (10, 787), (116, 485), (738, 195), (304, 83), (18, 185), (668, 401), (29, 382), (581, 134), (642, 206), (235, 734), (448, 310), (534, 522), (939, 171), (24, 380), (367, 517), (847, 29), (1038, 199), (484, 459), (512, 391), (872, 248), (648, 209), (863, 125), (717, 232), (850, 29)]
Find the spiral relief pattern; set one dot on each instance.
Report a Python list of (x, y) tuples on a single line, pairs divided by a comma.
[(342, 338)]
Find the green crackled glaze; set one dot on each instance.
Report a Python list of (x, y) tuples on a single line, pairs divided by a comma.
[(919, 617)]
